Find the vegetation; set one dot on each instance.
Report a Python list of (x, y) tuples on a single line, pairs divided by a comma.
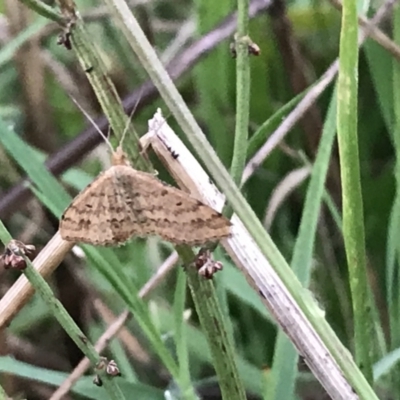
[(270, 100)]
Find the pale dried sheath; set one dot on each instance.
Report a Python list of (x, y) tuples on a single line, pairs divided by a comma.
[(21, 291), (247, 256)]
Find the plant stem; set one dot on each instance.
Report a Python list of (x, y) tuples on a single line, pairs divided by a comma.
[(42, 8), (242, 93), (353, 226), (214, 327), (393, 293)]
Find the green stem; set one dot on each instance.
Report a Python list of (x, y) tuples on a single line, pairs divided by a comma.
[(353, 226), (107, 94), (42, 8), (393, 256), (242, 93), (215, 328), (180, 335)]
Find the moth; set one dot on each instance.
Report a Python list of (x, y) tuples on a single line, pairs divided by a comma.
[(123, 202)]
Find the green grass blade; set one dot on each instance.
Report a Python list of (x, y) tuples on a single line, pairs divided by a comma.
[(269, 126), (180, 334), (353, 218), (8, 51), (30, 161)]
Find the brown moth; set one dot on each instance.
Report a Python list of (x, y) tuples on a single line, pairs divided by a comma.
[(123, 202)]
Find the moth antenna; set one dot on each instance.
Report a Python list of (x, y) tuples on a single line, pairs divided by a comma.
[(131, 116), (90, 119)]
